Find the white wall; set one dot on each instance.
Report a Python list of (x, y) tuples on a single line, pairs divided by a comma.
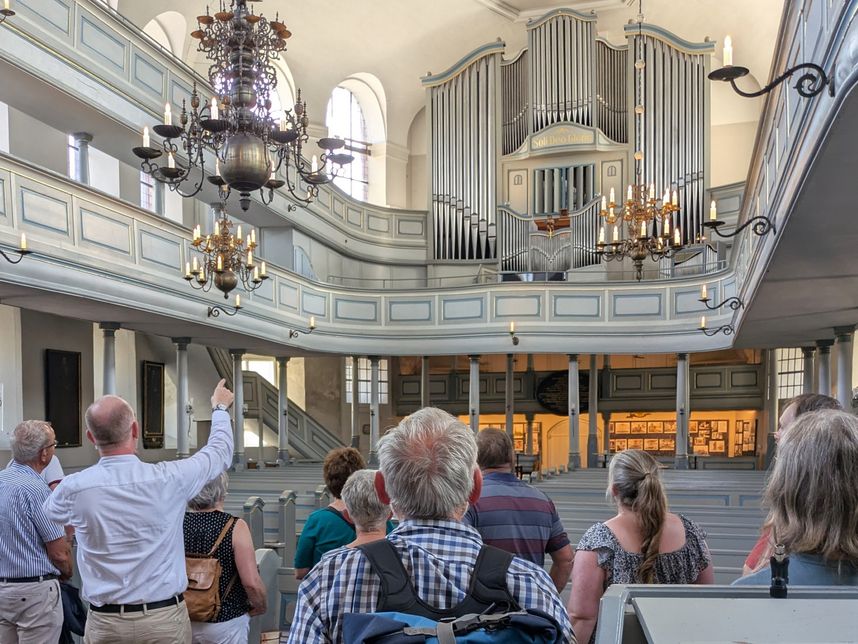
[(4, 127), (104, 172)]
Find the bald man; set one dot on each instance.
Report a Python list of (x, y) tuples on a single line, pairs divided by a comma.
[(128, 516)]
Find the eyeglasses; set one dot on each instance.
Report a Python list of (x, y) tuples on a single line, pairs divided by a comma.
[(49, 446)]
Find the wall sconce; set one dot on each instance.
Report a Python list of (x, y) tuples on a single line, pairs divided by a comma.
[(217, 309), (726, 329), (22, 248), (294, 333), (760, 225), (6, 12), (512, 334), (733, 302), (811, 83)]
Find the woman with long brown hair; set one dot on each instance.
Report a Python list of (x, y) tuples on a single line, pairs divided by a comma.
[(643, 544)]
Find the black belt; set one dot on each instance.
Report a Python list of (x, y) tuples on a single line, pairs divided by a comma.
[(138, 608), (26, 580)]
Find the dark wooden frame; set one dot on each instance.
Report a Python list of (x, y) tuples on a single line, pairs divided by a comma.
[(63, 395), (152, 404)]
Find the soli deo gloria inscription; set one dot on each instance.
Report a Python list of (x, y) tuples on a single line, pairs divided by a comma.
[(562, 137)]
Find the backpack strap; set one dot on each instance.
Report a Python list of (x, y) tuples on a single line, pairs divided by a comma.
[(222, 534), (397, 592), (488, 581)]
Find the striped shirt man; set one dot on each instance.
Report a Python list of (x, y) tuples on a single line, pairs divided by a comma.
[(24, 528), (439, 558), (517, 517)]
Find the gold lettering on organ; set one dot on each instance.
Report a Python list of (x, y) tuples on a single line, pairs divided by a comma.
[(563, 137)]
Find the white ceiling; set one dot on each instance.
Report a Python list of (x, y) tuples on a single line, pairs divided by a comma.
[(399, 41)]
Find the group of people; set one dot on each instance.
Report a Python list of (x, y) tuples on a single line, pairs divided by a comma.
[(457, 504)]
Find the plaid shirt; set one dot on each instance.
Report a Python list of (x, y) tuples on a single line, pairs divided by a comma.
[(439, 557)]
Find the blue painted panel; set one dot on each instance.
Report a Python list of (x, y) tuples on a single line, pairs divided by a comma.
[(410, 311), (518, 306), (355, 310), (148, 75), (161, 251), (57, 13), (636, 305), (455, 309), (288, 296), (104, 231), (314, 303), (577, 306), (101, 44), (45, 212)]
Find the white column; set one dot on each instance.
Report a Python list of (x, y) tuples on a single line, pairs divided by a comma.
[(109, 330), (683, 411), (593, 413), (373, 411), (283, 406), (81, 158), (823, 365), (807, 379), (238, 460), (574, 445), (356, 402), (474, 393), (844, 335), (183, 449), (424, 382), (509, 393), (160, 205)]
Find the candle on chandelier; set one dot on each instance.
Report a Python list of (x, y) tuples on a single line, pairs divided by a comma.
[(612, 196), (237, 301), (197, 233), (616, 234), (667, 226), (702, 321), (217, 229), (248, 241), (217, 167), (677, 240), (713, 211), (168, 115), (171, 161), (220, 263), (666, 198), (202, 279), (187, 269), (604, 203), (256, 274), (273, 176), (314, 164), (652, 191), (215, 113), (629, 195), (643, 229), (145, 137), (238, 232), (253, 236), (196, 266), (674, 198), (249, 259), (728, 52), (704, 294), (263, 271), (602, 236)]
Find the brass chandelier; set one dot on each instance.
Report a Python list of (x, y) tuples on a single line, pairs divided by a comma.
[(253, 151), (226, 259), (646, 226)]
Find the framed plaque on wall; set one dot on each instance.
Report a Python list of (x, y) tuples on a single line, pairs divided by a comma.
[(62, 395), (152, 418)]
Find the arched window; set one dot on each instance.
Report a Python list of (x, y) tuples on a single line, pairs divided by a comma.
[(345, 119)]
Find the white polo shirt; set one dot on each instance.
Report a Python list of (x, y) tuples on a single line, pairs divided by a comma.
[(128, 516)]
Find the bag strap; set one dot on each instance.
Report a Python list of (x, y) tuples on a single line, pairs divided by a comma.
[(222, 534), (339, 514), (397, 592), (488, 581)]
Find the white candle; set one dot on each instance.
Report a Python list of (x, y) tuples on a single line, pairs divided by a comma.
[(256, 277), (273, 176), (238, 232), (677, 240), (702, 321), (217, 229), (168, 116), (253, 235), (713, 211), (171, 162), (704, 295), (196, 266), (602, 235), (220, 263), (666, 198), (238, 301), (23, 235), (612, 196), (512, 327), (643, 229), (215, 113), (217, 167), (728, 52), (675, 198), (312, 322), (6, 4), (263, 271), (314, 164), (652, 191), (667, 226), (249, 258), (629, 193), (145, 137), (616, 234), (604, 203), (187, 269)]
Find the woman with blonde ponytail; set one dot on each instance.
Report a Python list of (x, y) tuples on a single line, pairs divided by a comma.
[(643, 544)]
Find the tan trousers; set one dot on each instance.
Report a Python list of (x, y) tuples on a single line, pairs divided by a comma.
[(30, 613), (169, 625)]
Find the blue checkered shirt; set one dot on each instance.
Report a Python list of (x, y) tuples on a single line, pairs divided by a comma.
[(439, 557)]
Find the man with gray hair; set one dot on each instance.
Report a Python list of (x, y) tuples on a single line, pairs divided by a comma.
[(34, 551), (364, 508), (127, 517), (428, 474)]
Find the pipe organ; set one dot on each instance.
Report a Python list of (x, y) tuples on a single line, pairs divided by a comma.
[(564, 114)]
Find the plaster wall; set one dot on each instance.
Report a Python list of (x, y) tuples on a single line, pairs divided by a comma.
[(732, 147), (39, 143)]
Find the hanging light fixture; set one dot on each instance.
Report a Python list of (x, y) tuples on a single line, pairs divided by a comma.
[(642, 226), (22, 251), (226, 260), (6, 12), (253, 150)]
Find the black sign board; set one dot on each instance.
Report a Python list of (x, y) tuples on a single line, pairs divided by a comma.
[(552, 392)]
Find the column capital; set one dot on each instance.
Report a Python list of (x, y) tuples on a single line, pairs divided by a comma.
[(824, 346), (682, 356), (283, 359), (473, 357), (373, 358), (181, 342), (237, 353), (82, 136), (109, 328), (572, 356), (844, 333), (808, 352)]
